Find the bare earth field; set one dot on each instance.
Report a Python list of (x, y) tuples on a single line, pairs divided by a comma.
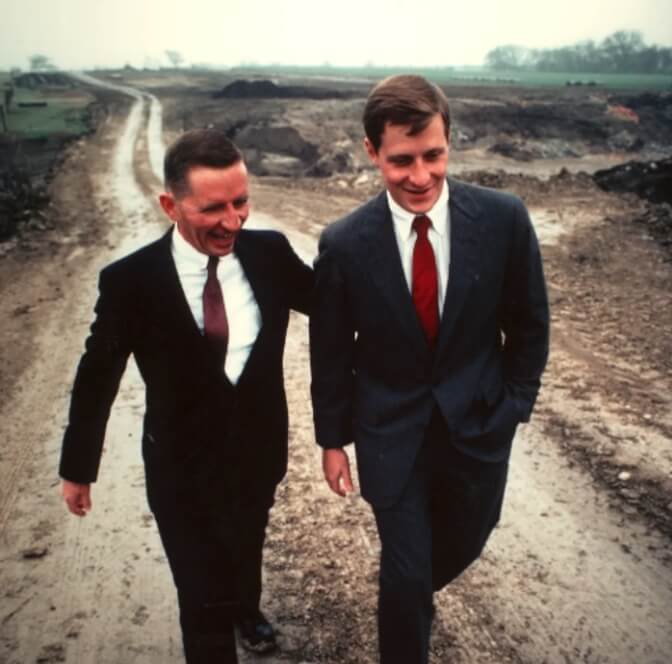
[(580, 568)]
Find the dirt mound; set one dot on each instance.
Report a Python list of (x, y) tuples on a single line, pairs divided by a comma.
[(520, 129), (531, 150), (653, 113), (658, 221), (265, 89), (649, 180), (279, 150), (26, 167), (21, 202), (646, 101)]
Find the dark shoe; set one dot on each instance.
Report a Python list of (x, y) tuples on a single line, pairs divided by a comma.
[(256, 633)]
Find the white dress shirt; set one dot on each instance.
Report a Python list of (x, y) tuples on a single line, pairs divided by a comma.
[(439, 238), (242, 311)]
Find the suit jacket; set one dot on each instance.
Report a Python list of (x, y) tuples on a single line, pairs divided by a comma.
[(194, 416), (375, 378)]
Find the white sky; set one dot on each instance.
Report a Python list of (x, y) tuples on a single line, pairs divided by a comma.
[(88, 33)]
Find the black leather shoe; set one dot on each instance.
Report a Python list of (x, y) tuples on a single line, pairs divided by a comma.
[(256, 633)]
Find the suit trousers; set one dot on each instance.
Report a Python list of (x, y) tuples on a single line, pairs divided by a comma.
[(432, 533), (213, 542)]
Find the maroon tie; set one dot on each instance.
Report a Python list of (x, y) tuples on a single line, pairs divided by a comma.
[(215, 324), (425, 280)]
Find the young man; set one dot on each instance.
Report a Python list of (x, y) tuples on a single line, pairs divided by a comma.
[(204, 311), (428, 340)]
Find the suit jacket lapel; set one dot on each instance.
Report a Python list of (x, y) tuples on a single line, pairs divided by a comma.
[(169, 306), (381, 252), (463, 258), (252, 264)]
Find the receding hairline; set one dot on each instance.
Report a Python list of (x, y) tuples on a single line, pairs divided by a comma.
[(198, 148), (185, 185)]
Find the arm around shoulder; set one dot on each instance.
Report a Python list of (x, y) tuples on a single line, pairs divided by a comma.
[(302, 283)]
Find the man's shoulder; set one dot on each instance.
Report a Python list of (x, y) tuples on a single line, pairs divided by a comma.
[(139, 260), (467, 194), (263, 237), (343, 227)]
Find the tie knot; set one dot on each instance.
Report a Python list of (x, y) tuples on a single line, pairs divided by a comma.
[(421, 225), (212, 264)]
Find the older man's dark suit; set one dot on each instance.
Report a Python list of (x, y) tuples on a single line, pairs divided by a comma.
[(214, 453), (447, 413)]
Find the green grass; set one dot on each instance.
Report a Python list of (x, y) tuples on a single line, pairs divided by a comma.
[(476, 76), (64, 114), (554, 79), (55, 118)]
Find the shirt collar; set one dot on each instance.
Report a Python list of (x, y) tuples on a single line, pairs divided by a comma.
[(186, 253), (438, 215)]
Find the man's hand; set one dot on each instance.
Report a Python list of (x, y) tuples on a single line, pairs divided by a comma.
[(77, 497), (336, 468)]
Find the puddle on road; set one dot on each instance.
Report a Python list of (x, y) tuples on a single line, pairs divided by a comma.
[(130, 198), (155, 144), (135, 207), (547, 224)]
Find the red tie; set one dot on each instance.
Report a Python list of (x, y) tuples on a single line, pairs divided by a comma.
[(216, 326), (425, 280)]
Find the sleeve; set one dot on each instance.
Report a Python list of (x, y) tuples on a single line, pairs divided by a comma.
[(299, 278), (525, 318), (332, 347), (96, 383)]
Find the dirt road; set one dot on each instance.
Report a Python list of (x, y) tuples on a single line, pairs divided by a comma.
[(578, 570)]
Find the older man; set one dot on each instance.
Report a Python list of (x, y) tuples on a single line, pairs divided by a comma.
[(204, 311)]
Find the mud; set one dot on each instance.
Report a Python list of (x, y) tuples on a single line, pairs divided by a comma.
[(264, 89), (650, 180), (580, 568)]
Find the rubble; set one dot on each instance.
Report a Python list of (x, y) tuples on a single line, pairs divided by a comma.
[(649, 180), (20, 202)]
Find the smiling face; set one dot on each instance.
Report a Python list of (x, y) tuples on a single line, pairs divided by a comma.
[(413, 167), (210, 214)]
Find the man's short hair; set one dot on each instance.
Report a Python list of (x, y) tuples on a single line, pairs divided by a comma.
[(197, 147), (403, 100)]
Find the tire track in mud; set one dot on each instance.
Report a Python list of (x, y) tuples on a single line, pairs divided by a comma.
[(68, 585)]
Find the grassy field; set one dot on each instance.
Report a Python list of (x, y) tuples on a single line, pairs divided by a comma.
[(475, 76), (62, 111)]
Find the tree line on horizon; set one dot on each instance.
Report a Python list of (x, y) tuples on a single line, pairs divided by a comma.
[(623, 52)]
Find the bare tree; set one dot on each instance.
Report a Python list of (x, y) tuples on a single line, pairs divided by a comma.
[(507, 57), (623, 51), (175, 58), (40, 62)]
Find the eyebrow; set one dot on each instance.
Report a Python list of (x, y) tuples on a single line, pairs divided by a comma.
[(212, 206)]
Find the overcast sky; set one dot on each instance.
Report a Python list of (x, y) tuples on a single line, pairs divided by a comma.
[(88, 33)]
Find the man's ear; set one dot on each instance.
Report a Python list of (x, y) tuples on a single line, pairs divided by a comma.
[(167, 202), (371, 151)]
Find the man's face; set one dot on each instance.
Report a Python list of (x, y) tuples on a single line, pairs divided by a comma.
[(413, 167), (210, 215)]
